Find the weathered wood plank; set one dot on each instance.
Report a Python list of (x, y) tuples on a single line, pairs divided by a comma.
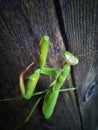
[(22, 24), (73, 23), (80, 25)]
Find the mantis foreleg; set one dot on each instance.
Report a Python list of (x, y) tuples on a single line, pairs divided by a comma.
[(31, 84)]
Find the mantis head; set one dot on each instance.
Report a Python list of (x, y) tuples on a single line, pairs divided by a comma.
[(70, 58)]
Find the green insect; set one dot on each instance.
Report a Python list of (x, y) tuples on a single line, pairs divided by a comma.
[(52, 92), (61, 75), (52, 95)]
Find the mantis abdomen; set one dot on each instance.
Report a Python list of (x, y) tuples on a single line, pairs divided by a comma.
[(52, 96)]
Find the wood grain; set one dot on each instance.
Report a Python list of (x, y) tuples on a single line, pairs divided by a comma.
[(71, 25), (80, 22)]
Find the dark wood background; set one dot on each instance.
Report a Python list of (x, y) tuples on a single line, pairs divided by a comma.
[(71, 25)]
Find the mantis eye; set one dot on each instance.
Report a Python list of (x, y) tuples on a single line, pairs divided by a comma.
[(70, 58)]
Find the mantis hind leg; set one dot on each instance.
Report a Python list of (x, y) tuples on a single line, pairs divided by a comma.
[(67, 89), (20, 97), (30, 114)]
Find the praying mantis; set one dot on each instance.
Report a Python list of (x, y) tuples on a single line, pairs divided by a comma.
[(61, 75), (52, 93)]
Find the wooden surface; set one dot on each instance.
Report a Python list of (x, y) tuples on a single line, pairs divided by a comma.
[(71, 25)]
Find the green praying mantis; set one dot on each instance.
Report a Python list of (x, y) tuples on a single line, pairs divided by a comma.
[(61, 75), (52, 93)]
